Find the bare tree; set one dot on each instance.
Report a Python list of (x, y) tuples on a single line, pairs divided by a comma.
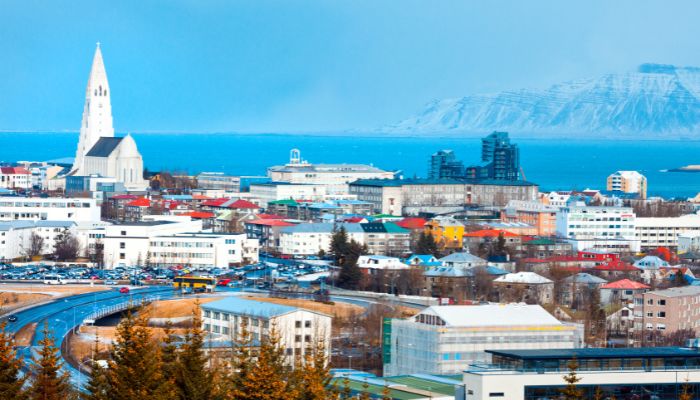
[(67, 246), (36, 246)]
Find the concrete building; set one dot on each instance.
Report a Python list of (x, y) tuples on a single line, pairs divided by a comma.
[(14, 237), (333, 177), (447, 339), (298, 330), (99, 152), (128, 244), (688, 242), (667, 311), (202, 250), (264, 193), (603, 228), (621, 291), (228, 183), (628, 182), (664, 231), (50, 208), (525, 286), (625, 373), (309, 239), (543, 217), (412, 196)]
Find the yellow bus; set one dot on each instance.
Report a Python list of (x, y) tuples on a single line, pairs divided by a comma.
[(194, 284)]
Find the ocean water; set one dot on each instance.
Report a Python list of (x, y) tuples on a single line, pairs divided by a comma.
[(551, 163)]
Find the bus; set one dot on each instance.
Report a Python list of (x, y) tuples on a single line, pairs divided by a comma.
[(194, 284)]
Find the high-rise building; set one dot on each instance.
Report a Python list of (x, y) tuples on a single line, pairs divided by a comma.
[(503, 158), (444, 164)]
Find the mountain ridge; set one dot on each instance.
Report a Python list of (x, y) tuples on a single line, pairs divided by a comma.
[(655, 100)]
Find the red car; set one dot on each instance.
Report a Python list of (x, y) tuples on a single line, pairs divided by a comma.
[(124, 290)]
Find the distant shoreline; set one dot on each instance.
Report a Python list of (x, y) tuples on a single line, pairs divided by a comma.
[(687, 168)]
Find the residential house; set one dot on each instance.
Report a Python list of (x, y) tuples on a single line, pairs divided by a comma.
[(622, 291), (525, 286)]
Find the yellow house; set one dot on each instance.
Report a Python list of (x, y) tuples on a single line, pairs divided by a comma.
[(446, 231)]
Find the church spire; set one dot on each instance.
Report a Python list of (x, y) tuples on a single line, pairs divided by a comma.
[(97, 112)]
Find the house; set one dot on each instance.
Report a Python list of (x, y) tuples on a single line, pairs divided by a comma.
[(267, 231), (525, 286), (651, 267), (15, 178), (541, 216), (488, 237), (136, 209), (446, 231), (616, 270), (298, 330), (667, 311), (463, 260), (373, 263), (422, 260), (620, 324), (575, 288), (622, 291)]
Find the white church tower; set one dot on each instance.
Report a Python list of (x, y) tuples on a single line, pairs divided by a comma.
[(97, 113)]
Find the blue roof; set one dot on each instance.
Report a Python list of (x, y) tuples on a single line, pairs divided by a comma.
[(177, 197), (252, 308), (451, 181), (598, 353)]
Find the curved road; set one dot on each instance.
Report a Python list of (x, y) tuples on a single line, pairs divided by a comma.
[(65, 314)]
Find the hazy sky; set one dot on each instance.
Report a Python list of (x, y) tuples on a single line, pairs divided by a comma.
[(289, 65)]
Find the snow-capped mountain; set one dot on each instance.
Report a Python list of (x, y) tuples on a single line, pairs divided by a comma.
[(655, 100)]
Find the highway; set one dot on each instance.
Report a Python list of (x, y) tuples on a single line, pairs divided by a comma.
[(65, 314)]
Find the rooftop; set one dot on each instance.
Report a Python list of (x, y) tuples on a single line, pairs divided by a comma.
[(523, 277), (678, 291), (496, 315), (104, 147), (625, 284), (598, 353), (253, 308)]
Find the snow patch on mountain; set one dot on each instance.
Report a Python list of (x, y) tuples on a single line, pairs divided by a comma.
[(654, 100)]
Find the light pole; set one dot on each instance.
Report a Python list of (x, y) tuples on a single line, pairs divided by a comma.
[(80, 373)]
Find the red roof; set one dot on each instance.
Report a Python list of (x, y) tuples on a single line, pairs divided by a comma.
[(270, 216), (625, 284), (354, 220), (240, 203), (615, 266), (412, 223), (270, 222), (140, 202), (199, 214), (125, 197), (200, 197), (14, 171), (490, 233), (215, 202)]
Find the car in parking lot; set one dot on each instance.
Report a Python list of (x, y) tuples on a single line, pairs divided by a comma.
[(124, 290)]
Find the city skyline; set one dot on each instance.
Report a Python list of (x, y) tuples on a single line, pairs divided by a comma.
[(235, 67)]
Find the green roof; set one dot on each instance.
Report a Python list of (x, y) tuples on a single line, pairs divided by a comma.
[(386, 216), (289, 202), (358, 386), (391, 227), (425, 384), (540, 242)]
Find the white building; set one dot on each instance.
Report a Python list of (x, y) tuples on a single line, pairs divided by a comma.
[(334, 177), (664, 231), (604, 228), (631, 373), (202, 250), (14, 238), (50, 208), (267, 192), (15, 178), (297, 329), (377, 262), (41, 172), (128, 244), (309, 239), (628, 182), (688, 242), (447, 339), (99, 152)]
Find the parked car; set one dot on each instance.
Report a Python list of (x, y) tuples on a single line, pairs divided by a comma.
[(124, 290)]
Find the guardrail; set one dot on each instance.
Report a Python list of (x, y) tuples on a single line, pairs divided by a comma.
[(123, 306)]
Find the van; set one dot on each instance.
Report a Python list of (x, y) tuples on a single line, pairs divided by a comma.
[(53, 280)]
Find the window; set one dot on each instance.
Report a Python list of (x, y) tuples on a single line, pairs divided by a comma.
[(122, 256), (662, 302), (297, 338), (297, 324), (207, 314), (123, 233), (496, 394), (307, 324), (661, 314), (307, 338), (224, 330), (217, 315), (122, 245), (226, 316)]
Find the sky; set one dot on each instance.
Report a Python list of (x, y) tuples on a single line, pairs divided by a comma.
[(313, 66)]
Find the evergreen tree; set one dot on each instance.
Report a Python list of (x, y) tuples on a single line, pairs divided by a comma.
[(313, 375), (11, 381), (571, 392), (386, 393), (168, 354), (426, 244), (686, 392), (268, 377), (346, 392), (135, 369), (339, 245), (97, 387), (48, 382), (193, 379), (365, 392)]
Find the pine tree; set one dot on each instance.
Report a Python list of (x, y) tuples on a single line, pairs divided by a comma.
[(193, 378), (268, 377), (11, 381), (48, 382), (168, 354), (386, 393), (346, 392), (313, 375), (135, 369), (686, 392), (97, 387), (571, 392), (365, 392)]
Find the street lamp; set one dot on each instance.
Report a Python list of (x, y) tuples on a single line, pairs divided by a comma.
[(80, 373)]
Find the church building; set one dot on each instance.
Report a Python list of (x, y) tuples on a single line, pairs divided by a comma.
[(100, 153)]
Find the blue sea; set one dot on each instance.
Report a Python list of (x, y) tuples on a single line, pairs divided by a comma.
[(551, 163)]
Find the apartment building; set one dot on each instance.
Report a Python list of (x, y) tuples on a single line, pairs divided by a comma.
[(448, 339), (15, 178), (603, 228), (50, 208), (309, 239), (664, 232), (202, 250), (541, 216), (271, 191), (297, 329), (628, 182), (667, 311)]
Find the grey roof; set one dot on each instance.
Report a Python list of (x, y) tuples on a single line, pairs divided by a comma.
[(9, 225), (55, 224), (321, 228), (462, 257), (104, 147), (583, 277), (678, 291)]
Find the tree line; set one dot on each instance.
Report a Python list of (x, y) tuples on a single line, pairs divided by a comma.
[(140, 366)]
